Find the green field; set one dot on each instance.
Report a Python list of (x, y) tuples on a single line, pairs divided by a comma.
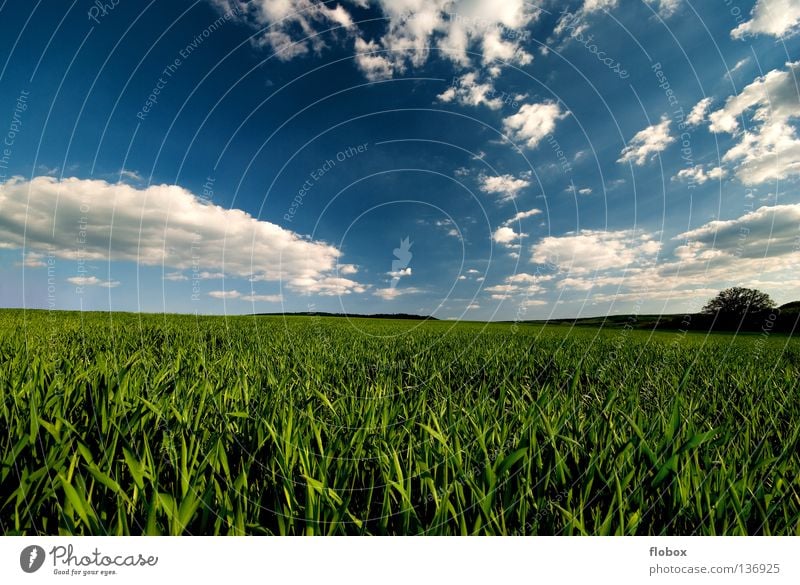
[(128, 424)]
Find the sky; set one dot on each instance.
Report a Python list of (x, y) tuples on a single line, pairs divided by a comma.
[(467, 159)]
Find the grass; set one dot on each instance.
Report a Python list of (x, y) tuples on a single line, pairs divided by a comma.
[(127, 424)]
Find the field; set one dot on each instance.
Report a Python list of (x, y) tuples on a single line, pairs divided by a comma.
[(128, 424)]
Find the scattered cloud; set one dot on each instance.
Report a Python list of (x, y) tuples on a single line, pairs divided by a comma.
[(777, 18), (175, 276), (700, 174), (647, 143), (533, 122), (506, 186), (468, 91), (92, 281)]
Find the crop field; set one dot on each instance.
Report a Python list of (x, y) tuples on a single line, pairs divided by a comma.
[(128, 424)]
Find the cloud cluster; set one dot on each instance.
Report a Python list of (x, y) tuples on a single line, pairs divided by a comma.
[(533, 122), (777, 18), (161, 225), (760, 248), (506, 187), (699, 174), (588, 251), (493, 28)]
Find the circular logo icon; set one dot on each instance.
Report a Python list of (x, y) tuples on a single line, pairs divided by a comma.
[(31, 558)]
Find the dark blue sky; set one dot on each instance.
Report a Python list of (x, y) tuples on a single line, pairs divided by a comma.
[(542, 159)]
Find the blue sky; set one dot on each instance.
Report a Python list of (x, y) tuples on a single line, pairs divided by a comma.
[(550, 159)]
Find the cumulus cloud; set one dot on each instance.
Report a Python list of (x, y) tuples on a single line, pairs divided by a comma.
[(533, 122), (507, 187), (506, 236), (161, 225), (699, 174), (589, 250), (769, 149), (760, 248), (647, 143), (778, 18)]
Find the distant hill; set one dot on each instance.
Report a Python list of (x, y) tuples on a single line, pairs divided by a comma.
[(784, 319), (402, 316)]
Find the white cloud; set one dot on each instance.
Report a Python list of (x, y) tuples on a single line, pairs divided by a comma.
[(250, 298), (92, 281), (507, 236), (506, 186), (533, 122), (468, 91), (371, 60), (347, 269), (225, 294), (759, 249), (515, 285), (740, 64), (777, 18), (520, 215), (666, 8), (769, 149), (400, 273), (175, 276), (34, 260), (412, 28), (590, 250), (699, 111), (391, 293), (699, 174), (253, 298), (647, 143), (130, 175), (161, 225), (290, 27)]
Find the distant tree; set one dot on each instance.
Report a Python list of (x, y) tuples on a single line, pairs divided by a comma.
[(738, 301)]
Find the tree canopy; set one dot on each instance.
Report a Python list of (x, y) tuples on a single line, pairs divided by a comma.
[(739, 301)]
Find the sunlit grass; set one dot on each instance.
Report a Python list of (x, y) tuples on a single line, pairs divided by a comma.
[(177, 425)]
